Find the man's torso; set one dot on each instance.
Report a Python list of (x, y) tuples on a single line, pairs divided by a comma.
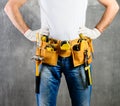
[(63, 17)]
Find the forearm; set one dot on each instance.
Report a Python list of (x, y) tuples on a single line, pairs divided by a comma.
[(108, 16), (15, 16)]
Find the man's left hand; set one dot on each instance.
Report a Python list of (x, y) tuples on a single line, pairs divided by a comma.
[(91, 33)]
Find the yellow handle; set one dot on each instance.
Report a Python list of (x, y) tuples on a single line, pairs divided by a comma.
[(84, 45), (89, 74), (37, 68), (37, 37), (83, 36)]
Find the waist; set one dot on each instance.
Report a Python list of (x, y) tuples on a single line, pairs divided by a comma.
[(64, 32), (64, 36)]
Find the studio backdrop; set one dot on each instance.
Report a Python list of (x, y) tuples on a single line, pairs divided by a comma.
[(17, 80)]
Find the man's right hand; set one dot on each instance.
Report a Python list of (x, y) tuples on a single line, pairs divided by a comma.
[(31, 35)]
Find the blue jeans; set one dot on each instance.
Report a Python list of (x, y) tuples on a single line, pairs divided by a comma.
[(50, 81)]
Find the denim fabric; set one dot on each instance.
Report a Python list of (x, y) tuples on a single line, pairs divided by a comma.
[(50, 81)]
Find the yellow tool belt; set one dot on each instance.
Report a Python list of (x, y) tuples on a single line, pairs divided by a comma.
[(52, 49)]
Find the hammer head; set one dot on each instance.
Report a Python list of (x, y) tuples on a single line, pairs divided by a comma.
[(38, 58)]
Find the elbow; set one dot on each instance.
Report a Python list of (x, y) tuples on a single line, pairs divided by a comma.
[(9, 7), (112, 6), (115, 7)]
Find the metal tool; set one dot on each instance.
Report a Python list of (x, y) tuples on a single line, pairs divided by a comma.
[(87, 68), (38, 58), (38, 61)]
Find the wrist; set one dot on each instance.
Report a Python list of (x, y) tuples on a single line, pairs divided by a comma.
[(27, 33), (97, 31), (26, 29)]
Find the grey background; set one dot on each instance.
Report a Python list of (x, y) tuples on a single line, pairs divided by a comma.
[(16, 68)]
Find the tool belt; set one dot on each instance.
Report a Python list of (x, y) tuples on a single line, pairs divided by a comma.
[(50, 49)]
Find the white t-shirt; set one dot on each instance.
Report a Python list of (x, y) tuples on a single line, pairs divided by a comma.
[(63, 17)]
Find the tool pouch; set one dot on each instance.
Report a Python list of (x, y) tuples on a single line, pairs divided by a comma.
[(76, 49), (50, 56), (78, 55)]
